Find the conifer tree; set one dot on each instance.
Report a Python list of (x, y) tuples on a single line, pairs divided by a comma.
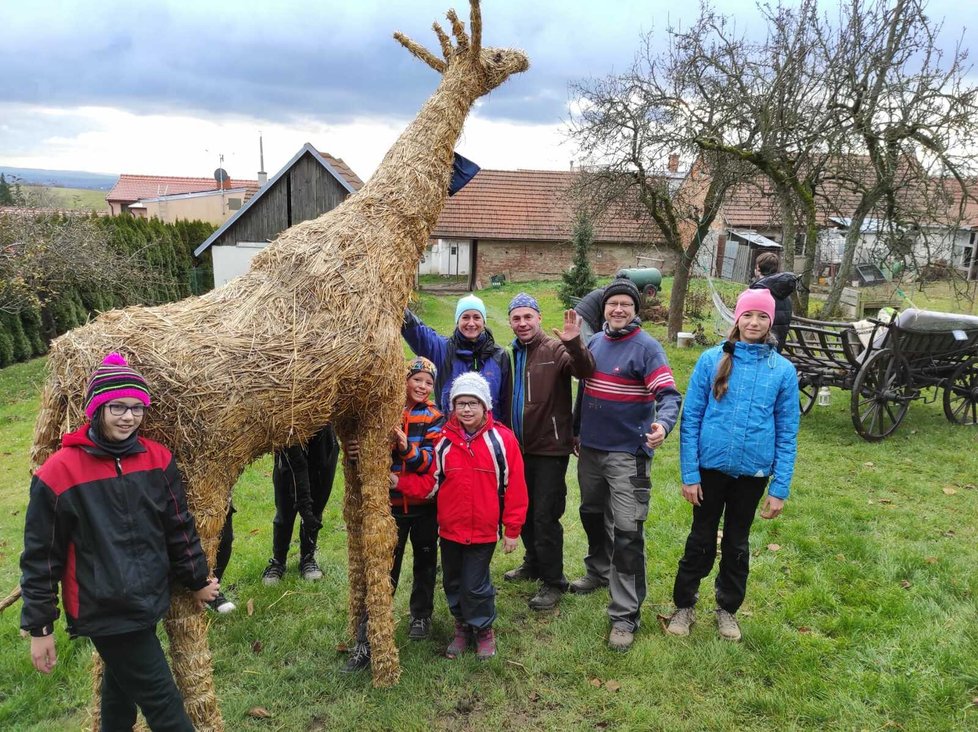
[(579, 280)]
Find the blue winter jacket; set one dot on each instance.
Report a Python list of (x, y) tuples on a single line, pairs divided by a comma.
[(456, 355), (753, 429)]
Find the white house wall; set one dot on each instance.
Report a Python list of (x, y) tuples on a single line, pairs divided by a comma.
[(439, 258), (231, 261)]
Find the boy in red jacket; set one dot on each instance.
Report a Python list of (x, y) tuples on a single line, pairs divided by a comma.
[(482, 497)]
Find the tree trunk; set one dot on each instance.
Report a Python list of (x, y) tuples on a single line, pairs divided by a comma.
[(845, 267), (680, 283)]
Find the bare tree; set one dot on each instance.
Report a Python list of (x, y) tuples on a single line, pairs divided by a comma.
[(908, 112), (628, 126)]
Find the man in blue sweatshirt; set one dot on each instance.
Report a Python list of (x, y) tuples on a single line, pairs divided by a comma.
[(630, 405)]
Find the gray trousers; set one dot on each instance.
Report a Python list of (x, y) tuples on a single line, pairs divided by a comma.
[(615, 492)]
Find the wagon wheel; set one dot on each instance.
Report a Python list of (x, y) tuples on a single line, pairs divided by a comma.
[(807, 392), (961, 394), (881, 395)]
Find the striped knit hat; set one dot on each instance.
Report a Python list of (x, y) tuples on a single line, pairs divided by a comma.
[(419, 364), (114, 379)]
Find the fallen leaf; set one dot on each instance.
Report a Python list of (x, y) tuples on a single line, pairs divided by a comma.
[(253, 532), (906, 584), (804, 630), (931, 560), (870, 501), (949, 533), (969, 486), (886, 500), (840, 557), (869, 465), (259, 713), (975, 701), (596, 683), (948, 490), (15, 512), (773, 547), (534, 697), (601, 725), (257, 646), (612, 686), (251, 607)]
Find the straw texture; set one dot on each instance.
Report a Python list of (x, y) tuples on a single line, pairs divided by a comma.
[(309, 336)]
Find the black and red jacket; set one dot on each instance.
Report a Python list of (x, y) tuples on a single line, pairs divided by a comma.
[(111, 531)]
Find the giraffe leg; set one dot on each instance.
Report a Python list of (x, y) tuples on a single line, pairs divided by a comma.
[(353, 516), (378, 549), (95, 710), (191, 660)]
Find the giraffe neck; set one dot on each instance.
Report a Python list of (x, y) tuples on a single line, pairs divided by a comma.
[(417, 169)]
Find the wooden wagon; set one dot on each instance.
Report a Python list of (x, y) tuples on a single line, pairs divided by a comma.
[(886, 365)]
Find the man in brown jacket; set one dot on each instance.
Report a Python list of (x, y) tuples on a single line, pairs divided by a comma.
[(542, 419)]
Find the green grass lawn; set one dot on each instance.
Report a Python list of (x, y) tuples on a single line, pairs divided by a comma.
[(860, 615), (74, 198)]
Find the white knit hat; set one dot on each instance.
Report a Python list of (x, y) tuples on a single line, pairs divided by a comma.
[(472, 383)]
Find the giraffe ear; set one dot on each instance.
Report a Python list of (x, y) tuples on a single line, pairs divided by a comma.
[(463, 170)]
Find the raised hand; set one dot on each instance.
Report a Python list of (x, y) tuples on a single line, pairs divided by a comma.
[(572, 326)]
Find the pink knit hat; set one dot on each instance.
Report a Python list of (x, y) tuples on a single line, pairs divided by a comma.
[(759, 299), (114, 379)]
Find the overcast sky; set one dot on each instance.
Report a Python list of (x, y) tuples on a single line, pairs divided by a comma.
[(169, 86)]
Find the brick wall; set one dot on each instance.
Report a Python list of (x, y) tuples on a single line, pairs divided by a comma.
[(521, 261)]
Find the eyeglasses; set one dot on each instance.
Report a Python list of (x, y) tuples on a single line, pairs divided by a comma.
[(620, 304), (117, 410), (460, 406)]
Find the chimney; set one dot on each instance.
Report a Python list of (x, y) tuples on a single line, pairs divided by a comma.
[(262, 175), (572, 165), (674, 163)]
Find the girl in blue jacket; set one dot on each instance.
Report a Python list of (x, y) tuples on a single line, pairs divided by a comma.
[(739, 429)]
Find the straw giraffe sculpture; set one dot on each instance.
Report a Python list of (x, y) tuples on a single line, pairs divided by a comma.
[(309, 336)]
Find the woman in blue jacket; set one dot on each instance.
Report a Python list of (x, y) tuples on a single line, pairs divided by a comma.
[(470, 348), (739, 428)]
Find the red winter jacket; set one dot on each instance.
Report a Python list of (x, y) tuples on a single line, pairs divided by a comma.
[(472, 485)]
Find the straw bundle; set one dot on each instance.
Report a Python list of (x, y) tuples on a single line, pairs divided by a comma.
[(309, 336)]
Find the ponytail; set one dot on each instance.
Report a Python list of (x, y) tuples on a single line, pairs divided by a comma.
[(725, 368)]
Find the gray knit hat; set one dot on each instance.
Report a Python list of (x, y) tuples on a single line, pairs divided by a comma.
[(622, 286), (472, 383)]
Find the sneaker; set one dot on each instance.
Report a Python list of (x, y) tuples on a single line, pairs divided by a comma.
[(520, 574), (485, 644), (546, 598), (681, 620), (273, 572), (221, 604), (461, 640), (620, 639), (358, 660), (727, 625), (419, 629), (309, 570), (587, 584)]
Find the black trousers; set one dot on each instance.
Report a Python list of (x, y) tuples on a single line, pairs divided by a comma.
[(735, 499), (543, 536), (136, 674), (468, 587), (298, 469), (224, 547), (420, 523)]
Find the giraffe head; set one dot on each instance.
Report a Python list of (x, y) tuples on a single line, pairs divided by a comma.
[(481, 69)]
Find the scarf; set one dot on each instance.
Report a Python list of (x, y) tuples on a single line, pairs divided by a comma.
[(475, 352), (622, 332), (115, 449)]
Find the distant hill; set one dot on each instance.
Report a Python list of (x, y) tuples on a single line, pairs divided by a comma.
[(60, 178)]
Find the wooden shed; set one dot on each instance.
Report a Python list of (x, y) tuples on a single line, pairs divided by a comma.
[(309, 185)]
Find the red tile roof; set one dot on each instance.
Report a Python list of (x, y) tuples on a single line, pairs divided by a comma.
[(343, 169), (528, 205), (131, 188)]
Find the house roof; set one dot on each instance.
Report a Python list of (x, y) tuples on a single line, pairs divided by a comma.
[(528, 205), (130, 188), (342, 172)]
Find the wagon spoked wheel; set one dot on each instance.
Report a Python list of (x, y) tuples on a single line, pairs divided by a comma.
[(961, 394), (881, 395), (807, 392)]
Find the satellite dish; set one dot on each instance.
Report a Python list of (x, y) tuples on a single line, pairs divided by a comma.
[(221, 176)]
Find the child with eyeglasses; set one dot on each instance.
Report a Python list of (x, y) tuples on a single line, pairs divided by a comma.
[(482, 498), (108, 520)]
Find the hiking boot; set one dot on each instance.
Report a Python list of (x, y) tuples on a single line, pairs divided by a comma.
[(546, 598), (620, 639), (358, 660), (681, 621), (308, 568), (727, 625), (273, 572), (520, 574), (419, 629), (587, 584), (461, 640), (485, 644), (221, 604)]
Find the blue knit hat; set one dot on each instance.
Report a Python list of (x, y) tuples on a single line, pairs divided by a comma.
[(469, 302), (523, 301)]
